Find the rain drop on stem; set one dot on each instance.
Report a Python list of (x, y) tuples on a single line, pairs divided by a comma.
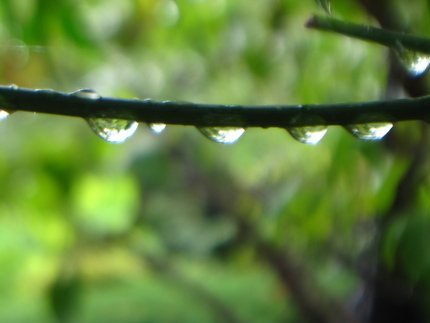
[(308, 135), (3, 114), (113, 130), (370, 131), (225, 135), (86, 94), (415, 63), (157, 128)]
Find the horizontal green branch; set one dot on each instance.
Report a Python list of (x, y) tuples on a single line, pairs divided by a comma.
[(213, 115), (376, 35)]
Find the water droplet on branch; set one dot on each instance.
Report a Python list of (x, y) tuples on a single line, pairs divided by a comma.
[(226, 135), (308, 135), (370, 131), (157, 128), (3, 114), (86, 94), (414, 62), (325, 5), (113, 130)]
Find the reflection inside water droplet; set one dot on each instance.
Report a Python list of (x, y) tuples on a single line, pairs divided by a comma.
[(370, 131), (113, 130), (308, 135), (86, 94), (157, 127), (325, 4), (415, 63), (225, 135)]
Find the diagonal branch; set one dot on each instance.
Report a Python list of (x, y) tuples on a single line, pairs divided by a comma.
[(376, 35), (315, 304)]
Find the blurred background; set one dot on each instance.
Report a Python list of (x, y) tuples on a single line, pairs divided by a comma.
[(176, 228)]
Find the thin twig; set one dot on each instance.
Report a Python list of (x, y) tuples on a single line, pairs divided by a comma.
[(376, 35), (215, 115)]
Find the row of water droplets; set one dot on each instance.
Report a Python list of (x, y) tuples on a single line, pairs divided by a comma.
[(364, 131), (118, 130)]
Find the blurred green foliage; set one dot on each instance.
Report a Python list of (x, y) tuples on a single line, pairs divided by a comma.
[(95, 232)]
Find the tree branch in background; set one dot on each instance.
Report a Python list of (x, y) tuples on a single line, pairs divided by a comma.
[(315, 304), (87, 104), (376, 35), (166, 270)]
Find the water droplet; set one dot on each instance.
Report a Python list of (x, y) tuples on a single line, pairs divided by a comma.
[(113, 130), (414, 62), (148, 100), (46, 91), (325, 4), (225, 135), (370, 131), (86, 94), (308, 135), (157, 127), (3, 114)]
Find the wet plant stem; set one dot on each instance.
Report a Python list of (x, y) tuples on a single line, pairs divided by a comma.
[(213, 115), (375, 35)]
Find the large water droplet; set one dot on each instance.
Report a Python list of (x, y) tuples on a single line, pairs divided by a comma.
[(325, 4), (157, 127), (224, 135), (414, 62), (86, 94), (309, 134), (370, 131), (3, 114), (113, 130)]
